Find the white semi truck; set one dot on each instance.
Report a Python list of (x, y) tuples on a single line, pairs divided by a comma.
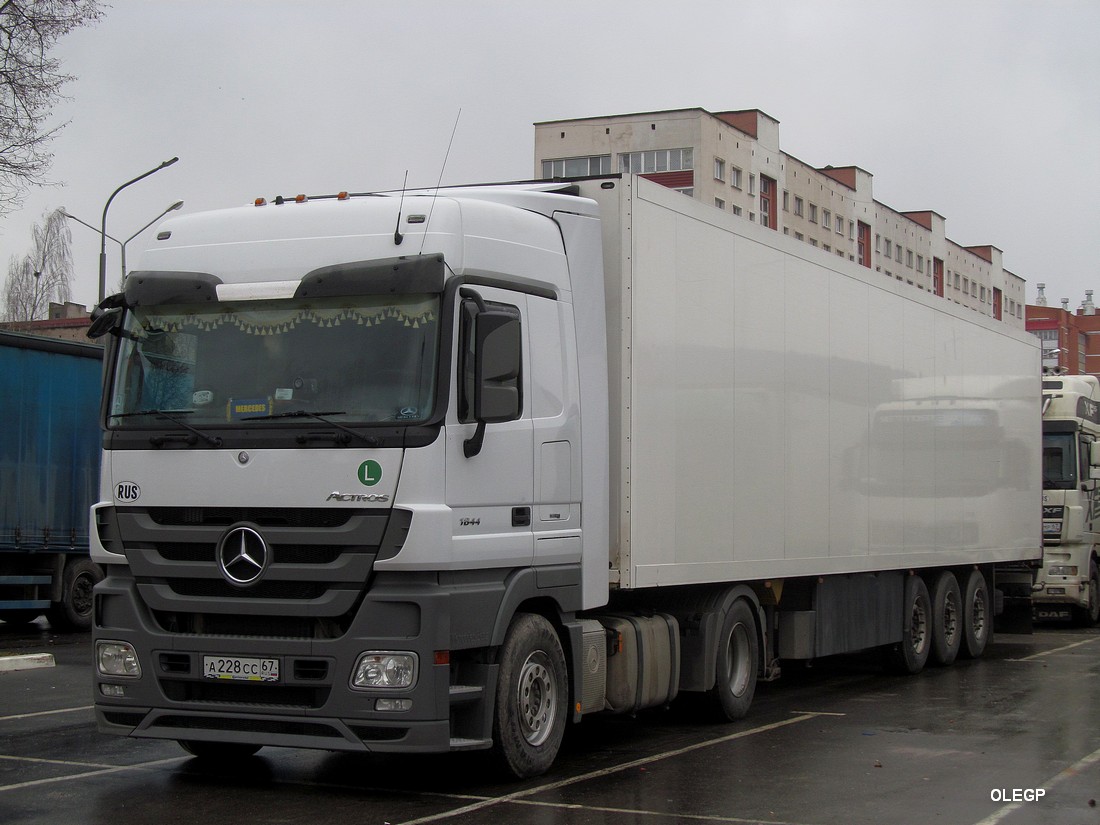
[(448, 470), (1069, 584)]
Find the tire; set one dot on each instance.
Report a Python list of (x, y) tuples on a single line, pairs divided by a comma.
[(1089, 616), (529, 717), (977, 616), (218, 751), (737, 663), (947, 619), (911, 654), (74, 611)]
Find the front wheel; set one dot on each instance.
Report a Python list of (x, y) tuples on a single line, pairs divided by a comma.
[(74, 611), (531, 698), (1089, 616)]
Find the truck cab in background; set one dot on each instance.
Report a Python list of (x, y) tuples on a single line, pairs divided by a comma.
[(1069, 583)]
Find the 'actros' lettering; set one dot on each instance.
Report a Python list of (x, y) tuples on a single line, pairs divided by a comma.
[(344, 497)]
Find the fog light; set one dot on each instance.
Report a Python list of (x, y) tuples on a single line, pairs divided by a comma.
[(385, 669), (117, 659), (115, 691), (393, 704), (1062, 570)]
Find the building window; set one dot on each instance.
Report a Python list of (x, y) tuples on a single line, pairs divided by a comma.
[(735, 177), (752, 184), (897, 253), (798, 236), (909, 258), (826, 219), (577, 167), (839, 225), (798, 206), (719, 169), (812, 216), (878, 244), (887, 248), (786, 201), (721, 204), (737, 210), (920, 263), (659, 160)]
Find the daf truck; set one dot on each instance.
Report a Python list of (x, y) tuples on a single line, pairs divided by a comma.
[(1068, 583), (451, 470)]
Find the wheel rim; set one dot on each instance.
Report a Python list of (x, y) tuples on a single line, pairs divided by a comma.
[(82, 594), (738, 667), (950, 619), (977, 626), (536, 697), (918, 632)]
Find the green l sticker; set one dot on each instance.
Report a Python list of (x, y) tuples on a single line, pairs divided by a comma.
[(370, 473)]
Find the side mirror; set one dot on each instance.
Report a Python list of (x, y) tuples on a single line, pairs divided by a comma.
[(107, 317)]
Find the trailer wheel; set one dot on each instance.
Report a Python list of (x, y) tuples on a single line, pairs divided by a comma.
[(946, 619), (74, 611), (977, 616), (737, 663), (218, 751), (911, 654), (1088, 616), (531, 698)]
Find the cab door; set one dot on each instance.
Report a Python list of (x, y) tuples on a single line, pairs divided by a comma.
[(490, 475)]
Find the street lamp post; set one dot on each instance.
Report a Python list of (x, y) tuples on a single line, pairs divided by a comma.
[(103, 226), (171, 208)]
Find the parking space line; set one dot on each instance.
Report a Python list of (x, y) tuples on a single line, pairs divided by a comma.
[(32, 783), (679, 815), (1057, 779), (44, 713), (67, 762), (637, 763), (1040, 655)]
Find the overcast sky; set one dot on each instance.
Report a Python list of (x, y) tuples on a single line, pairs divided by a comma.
[(986, 111)]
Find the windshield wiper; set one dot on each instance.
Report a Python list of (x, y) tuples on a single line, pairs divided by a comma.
[(171, 415), (319, 416)]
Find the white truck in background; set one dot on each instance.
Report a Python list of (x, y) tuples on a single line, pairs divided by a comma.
[(1068, 583), (546, 450)]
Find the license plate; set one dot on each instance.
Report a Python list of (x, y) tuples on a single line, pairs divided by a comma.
[(240, 668)]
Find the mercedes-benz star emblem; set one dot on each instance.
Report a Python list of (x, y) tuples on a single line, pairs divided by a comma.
[(242, 556)]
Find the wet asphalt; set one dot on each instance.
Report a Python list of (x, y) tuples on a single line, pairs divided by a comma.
[(1012, 738)]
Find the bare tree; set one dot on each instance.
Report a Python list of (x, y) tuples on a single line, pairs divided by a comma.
[(30, 84), (44, 274)]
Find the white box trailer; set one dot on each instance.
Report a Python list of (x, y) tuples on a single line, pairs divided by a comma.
[(546, 450)]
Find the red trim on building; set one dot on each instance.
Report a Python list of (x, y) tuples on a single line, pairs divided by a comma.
[(983, 252), (923, 218), (746, 121), (843, 174), (673, 180), (863, 243)]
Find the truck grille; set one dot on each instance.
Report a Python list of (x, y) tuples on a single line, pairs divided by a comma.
[(316, 566)]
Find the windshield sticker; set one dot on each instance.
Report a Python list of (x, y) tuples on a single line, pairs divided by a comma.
[(370, 473), (284, 394), (239, 408), (201, 397)]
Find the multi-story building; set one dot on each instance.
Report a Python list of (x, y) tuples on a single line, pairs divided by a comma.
[(733, 161), (1071, 339)]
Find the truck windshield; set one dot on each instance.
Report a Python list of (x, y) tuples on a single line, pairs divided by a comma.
[(1059, 461), (356, 360)]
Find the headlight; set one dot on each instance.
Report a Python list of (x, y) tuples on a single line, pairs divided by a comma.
[(385, 669), (117, 659), (1062, 570), (1052, 528)]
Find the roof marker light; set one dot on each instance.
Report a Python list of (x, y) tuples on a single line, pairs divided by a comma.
[(300, 198), (261, 201), (342, 196)]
